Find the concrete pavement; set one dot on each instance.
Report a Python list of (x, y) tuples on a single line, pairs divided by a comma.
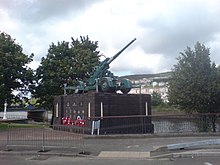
[(124, 154)]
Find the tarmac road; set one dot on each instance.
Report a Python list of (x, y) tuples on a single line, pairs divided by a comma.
[(96, 145), (55, 160)]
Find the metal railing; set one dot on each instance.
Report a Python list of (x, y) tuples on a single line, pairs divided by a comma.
[(134, 124), (191, 123), (72, 136), (44, 137)]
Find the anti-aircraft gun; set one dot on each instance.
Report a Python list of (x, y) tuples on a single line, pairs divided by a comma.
[(101, 79)]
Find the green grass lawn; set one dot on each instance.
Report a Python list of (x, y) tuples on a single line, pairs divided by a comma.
[(4, 126), (166, 109)]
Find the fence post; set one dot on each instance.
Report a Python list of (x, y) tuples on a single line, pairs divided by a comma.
[(43, 138), (83, 143), (213, 120), (7, 145)]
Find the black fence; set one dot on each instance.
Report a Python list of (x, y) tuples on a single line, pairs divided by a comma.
[(187, 123), (157, 124)]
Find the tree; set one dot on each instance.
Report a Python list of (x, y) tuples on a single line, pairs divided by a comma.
[(65, 63), (194, 85), (15, 75), (217, 92), (156, 99)]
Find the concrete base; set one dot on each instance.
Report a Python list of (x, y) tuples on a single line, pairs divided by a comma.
[(118, 113)]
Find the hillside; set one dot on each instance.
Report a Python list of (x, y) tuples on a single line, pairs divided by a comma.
[(147, 76)]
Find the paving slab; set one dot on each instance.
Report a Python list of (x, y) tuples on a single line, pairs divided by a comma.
[(124, 154)]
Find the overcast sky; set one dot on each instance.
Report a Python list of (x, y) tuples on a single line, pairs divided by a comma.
[(163, 28)]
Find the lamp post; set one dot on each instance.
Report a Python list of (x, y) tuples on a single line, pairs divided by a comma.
[(5, 110)]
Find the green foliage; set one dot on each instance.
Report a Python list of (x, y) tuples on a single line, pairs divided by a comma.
[(65, 63), (166, 108), (15, 75), (217, 92), (156, 99), (194, 85)]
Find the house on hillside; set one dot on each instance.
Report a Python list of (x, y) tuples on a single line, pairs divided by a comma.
[(152, 84)]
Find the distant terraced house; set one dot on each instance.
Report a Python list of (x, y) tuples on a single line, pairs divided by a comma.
[(150, 83)]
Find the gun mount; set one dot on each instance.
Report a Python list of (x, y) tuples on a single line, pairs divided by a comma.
[(101, 79)]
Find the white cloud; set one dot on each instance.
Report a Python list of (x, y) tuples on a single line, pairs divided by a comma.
[(162, 28), (136, 58)]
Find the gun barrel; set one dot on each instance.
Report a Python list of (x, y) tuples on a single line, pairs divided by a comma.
[(117, 54)]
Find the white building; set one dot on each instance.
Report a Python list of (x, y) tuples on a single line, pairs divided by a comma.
[(149, 85)]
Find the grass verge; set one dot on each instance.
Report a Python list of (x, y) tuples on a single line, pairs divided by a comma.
[(4, 126)]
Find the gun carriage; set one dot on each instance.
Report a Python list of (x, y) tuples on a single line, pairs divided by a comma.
[(101, 79)]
